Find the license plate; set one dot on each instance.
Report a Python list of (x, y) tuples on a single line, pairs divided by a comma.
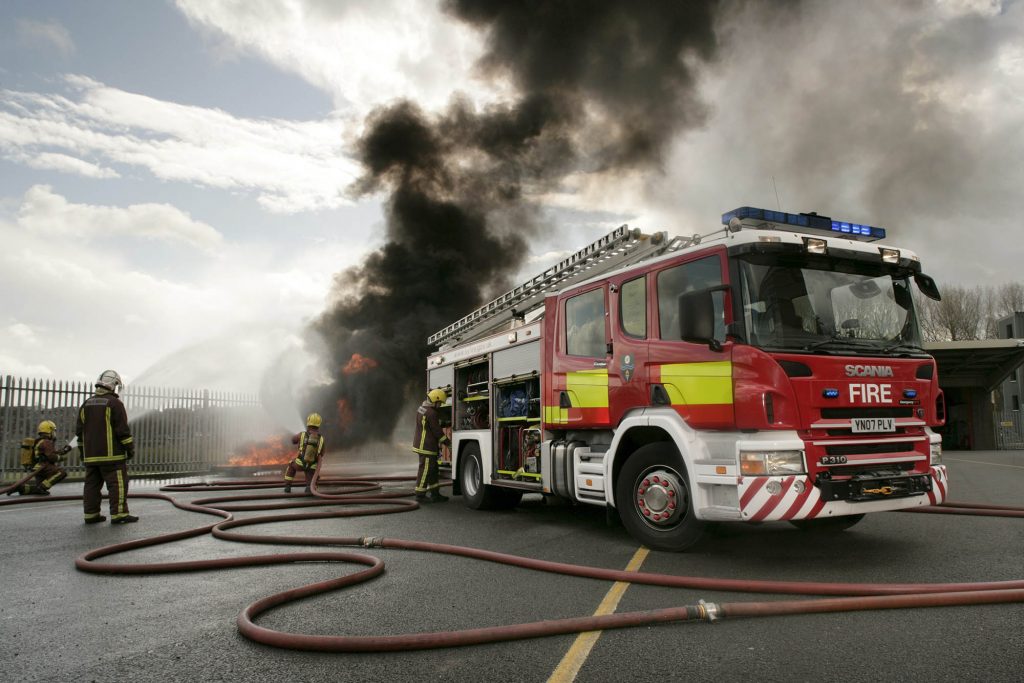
[(874, 424)]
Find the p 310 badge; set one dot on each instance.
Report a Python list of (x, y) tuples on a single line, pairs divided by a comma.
[(832, 460)]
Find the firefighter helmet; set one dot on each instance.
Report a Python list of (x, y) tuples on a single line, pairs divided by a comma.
[(110, 380), (437, 396), (314, 420), (48, 427)]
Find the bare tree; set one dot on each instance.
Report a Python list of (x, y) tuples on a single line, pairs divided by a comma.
[(960, 315)]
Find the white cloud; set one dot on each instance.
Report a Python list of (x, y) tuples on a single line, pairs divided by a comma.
[(290, 166), (45, 34), (48, 213), (74, 303), (68, 164), (363, 54)]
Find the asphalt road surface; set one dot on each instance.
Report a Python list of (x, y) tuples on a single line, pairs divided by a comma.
[(59, 624)]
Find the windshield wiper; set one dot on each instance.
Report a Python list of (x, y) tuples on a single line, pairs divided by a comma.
[(844, 341), (902, 345)]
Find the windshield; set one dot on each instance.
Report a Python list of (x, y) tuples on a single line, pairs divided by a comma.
[(801, 304)]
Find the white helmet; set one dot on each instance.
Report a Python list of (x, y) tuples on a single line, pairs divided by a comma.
[(109, 379)]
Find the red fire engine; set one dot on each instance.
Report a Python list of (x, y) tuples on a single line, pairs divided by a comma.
[(769, 370)]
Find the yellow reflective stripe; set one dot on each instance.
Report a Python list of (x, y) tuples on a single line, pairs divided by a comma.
[(103, 458), (698, 383), (588, 388), (423, 435), (420, 451), (122, 509), (125, 441), (556, 415)]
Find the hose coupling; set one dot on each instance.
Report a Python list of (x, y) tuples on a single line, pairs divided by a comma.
[(372, 541), (708, 611)]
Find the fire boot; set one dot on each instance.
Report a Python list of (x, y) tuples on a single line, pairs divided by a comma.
[(307, 488), (287, 488), (96, 520), (127, 519), (39, 491), (437, 497)]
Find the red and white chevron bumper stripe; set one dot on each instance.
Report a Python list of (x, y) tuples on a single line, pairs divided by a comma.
[(940, 484), (796, 498)]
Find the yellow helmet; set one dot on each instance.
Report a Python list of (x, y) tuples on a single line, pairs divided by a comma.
[(47, 427), (437, 395), (314, 420)]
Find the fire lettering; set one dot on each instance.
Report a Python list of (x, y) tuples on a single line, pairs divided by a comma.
[(870, 393)]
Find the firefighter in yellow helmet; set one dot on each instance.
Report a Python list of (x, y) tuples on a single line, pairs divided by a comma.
[(311, 446), (106, 445), (426, 443), (45, 457)]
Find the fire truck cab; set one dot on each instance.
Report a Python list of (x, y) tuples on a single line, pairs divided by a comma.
[(769, 370)]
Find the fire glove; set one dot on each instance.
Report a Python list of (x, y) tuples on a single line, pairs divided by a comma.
[(129, 452), (64, 451)]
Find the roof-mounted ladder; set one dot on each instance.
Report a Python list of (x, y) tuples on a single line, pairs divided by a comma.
[(618, 248)]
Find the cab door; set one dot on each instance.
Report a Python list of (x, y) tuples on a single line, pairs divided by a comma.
[(578, 392), (628, 382), (692, 378)]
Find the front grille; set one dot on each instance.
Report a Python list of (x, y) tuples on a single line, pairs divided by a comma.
[(847, 413), (870, 448)]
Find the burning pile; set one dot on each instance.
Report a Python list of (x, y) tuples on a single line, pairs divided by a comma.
[(271, 452)]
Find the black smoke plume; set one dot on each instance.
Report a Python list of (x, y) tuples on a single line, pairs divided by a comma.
[(602, 88)]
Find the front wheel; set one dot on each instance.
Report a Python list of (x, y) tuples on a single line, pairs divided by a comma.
[(829, 524), (654, 499)]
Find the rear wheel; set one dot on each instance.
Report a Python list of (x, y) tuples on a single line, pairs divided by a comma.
[(475, 492), (827, 523), (654, 499)]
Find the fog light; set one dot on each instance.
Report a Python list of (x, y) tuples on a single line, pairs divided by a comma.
[(890, 255), (799, 486), (774, 487)]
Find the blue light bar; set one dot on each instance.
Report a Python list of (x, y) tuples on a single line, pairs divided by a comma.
[(805, 220)]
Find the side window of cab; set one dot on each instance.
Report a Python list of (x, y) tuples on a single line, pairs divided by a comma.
[(678, 280), (584, 324)]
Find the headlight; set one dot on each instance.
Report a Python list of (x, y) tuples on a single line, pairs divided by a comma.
[(771, 462), (937, 453)]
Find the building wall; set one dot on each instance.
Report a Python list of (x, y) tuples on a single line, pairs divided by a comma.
[(1012, 389)]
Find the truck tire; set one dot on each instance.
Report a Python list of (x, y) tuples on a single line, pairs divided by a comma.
[(477, 494), (654, 499), (830, 524)]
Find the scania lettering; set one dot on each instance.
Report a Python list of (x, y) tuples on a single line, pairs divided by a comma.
[(768, 370)]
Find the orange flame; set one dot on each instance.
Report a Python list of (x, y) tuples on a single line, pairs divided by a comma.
[(358, 363), (275, 450), (344, 414)]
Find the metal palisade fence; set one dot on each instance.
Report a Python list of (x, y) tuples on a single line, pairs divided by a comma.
[(175, 430)]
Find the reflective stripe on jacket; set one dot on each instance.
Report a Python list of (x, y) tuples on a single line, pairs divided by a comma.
[(103, 429)]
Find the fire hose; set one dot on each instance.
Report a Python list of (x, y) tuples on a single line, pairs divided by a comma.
[(360, 492)]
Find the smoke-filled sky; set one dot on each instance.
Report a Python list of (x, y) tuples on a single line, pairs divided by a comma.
[(187, 188)]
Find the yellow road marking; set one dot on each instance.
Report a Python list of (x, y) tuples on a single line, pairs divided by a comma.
[(574, 659), (982, 462)]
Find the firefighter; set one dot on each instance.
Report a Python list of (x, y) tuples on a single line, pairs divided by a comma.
[(427, 442), (45, 457), (311, 445), (105, 444)]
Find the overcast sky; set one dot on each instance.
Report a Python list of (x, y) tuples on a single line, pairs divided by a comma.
[(175, 176)]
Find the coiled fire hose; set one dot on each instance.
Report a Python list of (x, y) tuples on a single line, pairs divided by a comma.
[(358, 492)]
